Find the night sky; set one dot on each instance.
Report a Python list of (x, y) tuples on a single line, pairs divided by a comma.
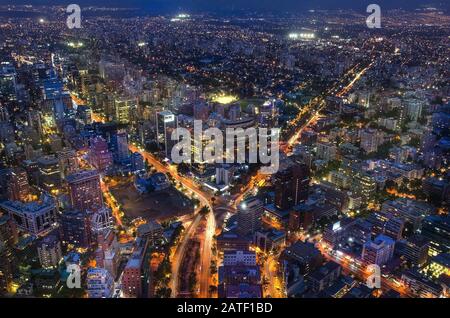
[(233, 5)]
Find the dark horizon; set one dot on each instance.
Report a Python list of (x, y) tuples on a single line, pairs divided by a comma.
[(243, 5)]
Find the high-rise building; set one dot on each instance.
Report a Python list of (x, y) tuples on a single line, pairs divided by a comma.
[(85, 191), (99, 155), (49, 173), (76, 228), (291, 186), (100, 283), (49, 252), (166, 124), (122, 108), (18, 187), (121, 152), (249, 216), (131, 278), (108, 253), (379, 251), (68, 162), (8, 238)]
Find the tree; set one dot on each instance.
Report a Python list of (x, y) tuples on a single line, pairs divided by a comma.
[(204, 210)]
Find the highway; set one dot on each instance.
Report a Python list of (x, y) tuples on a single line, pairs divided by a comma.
[(205, 200)]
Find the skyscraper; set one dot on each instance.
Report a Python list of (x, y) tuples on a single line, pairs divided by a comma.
[(291, 186), (249, 216), (76, 228), (18, 187), (166, 123), (85, 191), (99, 155), (49, 251)]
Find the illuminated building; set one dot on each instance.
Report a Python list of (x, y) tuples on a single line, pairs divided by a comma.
[(439, 266), (68, 162), (122, 107), (131, 278), (166, 123), (76, 228), (99, 155), (420, 285), (437, 230), (49, 173), (85, 191), (8, 238), (137, 162), (100, 283), (249, 216), (120, 141), (291, 186), (379, 251), (371, 139), (35, 218), (18, 187), (108, 253), (49, 252), (239, 257), (101, 220), (8, 81), (416, 250)]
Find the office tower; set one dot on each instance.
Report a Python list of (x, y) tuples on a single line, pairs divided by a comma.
[(85, 191), (68, 162), (99, 155), (291, 186), (49, 173), (379, 251), (100, 283), (49, 252), (35, 218), (166, 124), (437, 230), (249, 216), (76, 228), (268, 115), (18, 187), (416, 250), (363, 184)]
